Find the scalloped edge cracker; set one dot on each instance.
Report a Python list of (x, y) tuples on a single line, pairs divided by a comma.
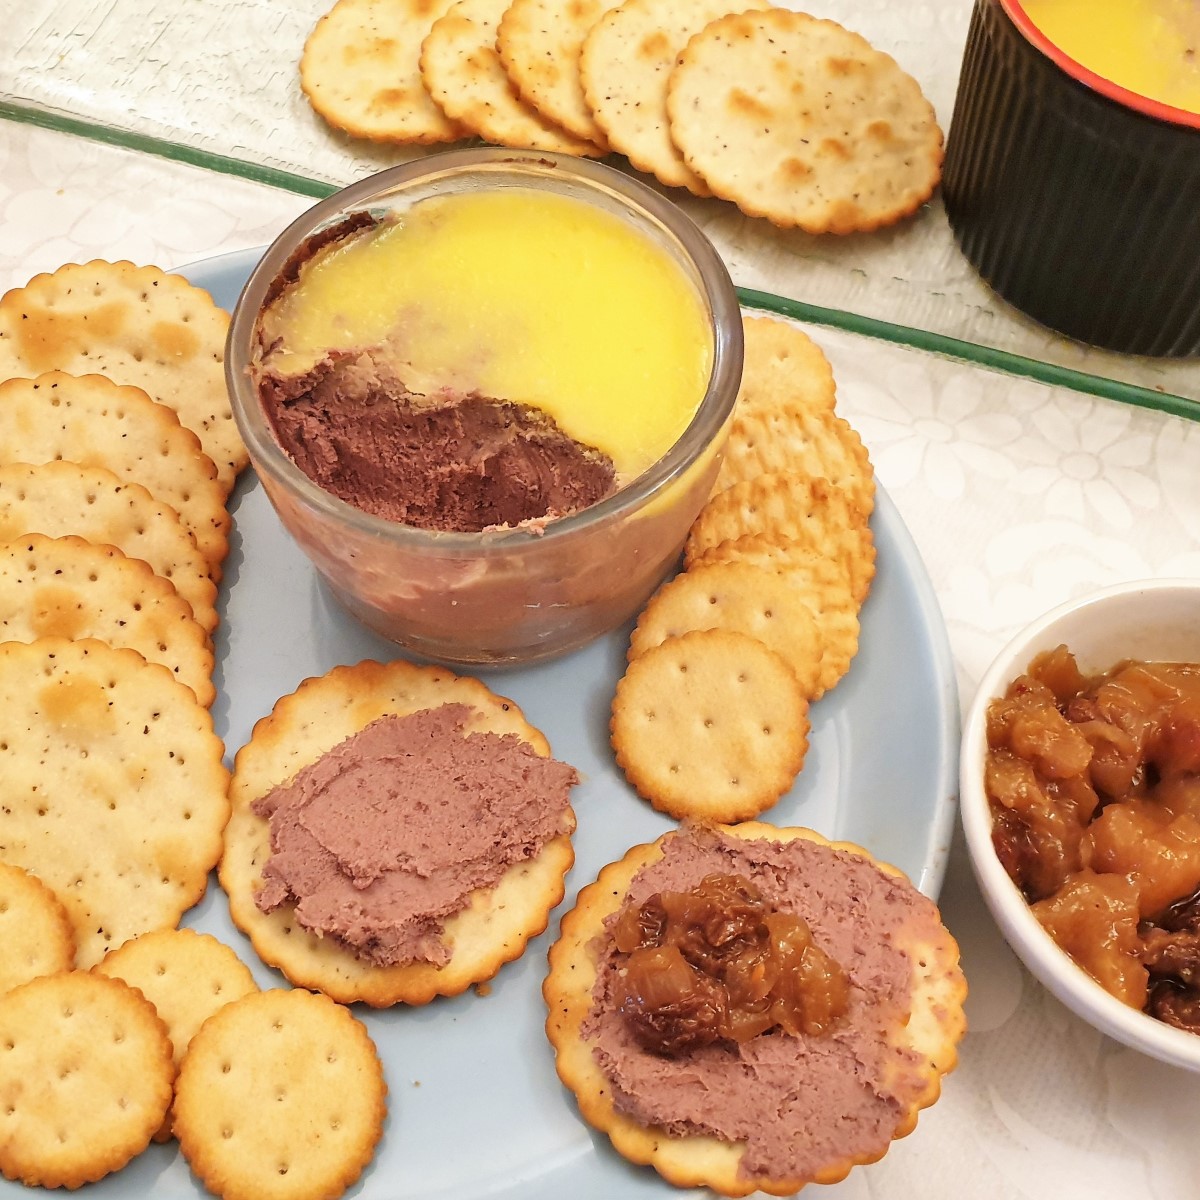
[(539, 43), (360, 70), (115, 788), (463, 73), (86, 1081), (139, 326), (800, 121), (711, 725), (63, 499), (624, 66), (264, 1067)]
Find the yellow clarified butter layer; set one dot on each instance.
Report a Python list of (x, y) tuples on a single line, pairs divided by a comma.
[(517, 295), (1151, 47)]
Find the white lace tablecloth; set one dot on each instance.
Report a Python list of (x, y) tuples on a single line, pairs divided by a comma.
[(1018, 495)]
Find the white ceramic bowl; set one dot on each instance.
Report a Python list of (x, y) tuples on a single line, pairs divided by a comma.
[(1147, 620)]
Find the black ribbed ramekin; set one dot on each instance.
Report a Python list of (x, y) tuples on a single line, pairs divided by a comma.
[(1080, 209)]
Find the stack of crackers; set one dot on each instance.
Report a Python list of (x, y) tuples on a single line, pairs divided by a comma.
[(790, 117), (711, 719), (118, 451)]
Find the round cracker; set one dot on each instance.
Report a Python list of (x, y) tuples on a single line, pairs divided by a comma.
[(809, 565), (280, 1096), (361, 71), (322, 712), (72, 588), (744, 598), (185, 974), (115, 792), (848, 554), (136, 325), (63, 499), (624, 65), (930, 1034), (92, 421), (463, 73), (787, 508), (35, 931), (815, 579), (783, 367), (815, 444), (803, 122), (86, 1080), (539, 43), (711, 724)]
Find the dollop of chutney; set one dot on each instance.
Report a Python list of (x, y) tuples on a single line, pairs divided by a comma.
[(719, 962)]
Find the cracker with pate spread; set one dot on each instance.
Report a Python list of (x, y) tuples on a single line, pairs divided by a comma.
[(398, 833), (714, 1116)]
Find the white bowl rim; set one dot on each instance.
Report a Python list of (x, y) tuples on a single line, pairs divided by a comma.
[(1046, 961)]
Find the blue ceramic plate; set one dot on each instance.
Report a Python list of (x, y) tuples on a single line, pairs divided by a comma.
[(475, 1106)]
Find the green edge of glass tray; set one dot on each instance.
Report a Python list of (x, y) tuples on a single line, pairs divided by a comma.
[(920, 339)]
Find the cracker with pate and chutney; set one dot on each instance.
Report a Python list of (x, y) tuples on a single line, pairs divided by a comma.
[(752, 1008)]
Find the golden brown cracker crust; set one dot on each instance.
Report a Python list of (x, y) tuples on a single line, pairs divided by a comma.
[(63, 499), (360, 70), (539, 43), (817, 445), (738, 596), (280, 1094), (69, 587), (92, 421), (850, 555), (86, 1080), (711, 725), (322, 712), (787, 508), (137, 325), (802, 122), (35, 931), (933, 1032), (187, 975), (783, 366), (624, 65), (462, 71), (115, 790)]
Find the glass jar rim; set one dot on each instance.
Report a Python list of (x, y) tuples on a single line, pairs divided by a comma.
[(711, 413)]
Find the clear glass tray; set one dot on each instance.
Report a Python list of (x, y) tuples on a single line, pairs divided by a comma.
[(215, 83)]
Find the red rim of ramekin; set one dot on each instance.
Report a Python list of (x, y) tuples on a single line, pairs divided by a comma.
[(1106, 87)]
